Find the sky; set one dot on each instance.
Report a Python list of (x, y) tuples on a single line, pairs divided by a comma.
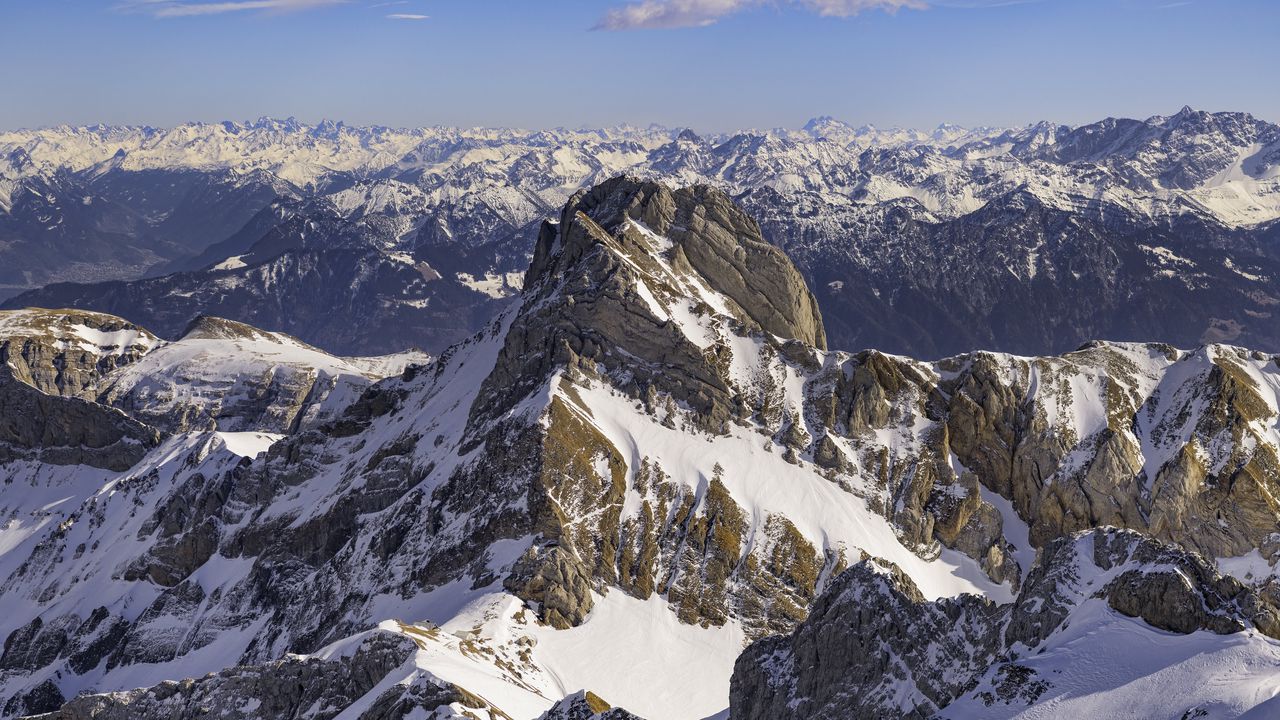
[(713, 65)]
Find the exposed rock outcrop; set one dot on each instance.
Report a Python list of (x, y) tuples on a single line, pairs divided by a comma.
[(613, 295), (586, 705), (873, 647), (67, 430), (1173, 443), (68, 352), (296, 688)]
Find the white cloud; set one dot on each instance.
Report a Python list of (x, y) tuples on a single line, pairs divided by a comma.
[(849, 8), (652, 14), (670, 13), (183, 8), (406, 16)]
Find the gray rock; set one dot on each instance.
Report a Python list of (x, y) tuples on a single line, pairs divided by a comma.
[(873, 647), (67, 430), (585, 705), (68, 352), (291, 689)]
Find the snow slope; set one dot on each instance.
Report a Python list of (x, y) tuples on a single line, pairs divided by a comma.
[(1108, 665), (242, 379)]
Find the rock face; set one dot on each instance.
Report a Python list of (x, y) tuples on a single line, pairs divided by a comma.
[(609, 296), (1179, 444), (586, 705), (296, 688), (1173, 443), (712, 237), (610, 249), (873, 647), (870, 640), (220, 375), (66, 430), (68, 352)]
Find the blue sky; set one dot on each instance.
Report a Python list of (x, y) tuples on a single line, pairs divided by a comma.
[(712, 65)]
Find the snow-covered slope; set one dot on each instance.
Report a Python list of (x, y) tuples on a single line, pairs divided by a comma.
[(1108, 665), (1110, 624), (232, 377)]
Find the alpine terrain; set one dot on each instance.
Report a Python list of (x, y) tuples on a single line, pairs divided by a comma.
[(638, 475), (359, 240)]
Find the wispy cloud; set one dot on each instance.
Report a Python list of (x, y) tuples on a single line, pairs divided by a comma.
[(187, 8), (849, 8), (407, 16), (980, 4), (670, 13), (654, 14)]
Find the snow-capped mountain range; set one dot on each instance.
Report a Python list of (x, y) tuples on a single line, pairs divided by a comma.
[(912, 240), (652, 480)]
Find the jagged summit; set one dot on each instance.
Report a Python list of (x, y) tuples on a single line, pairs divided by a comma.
[(659, 286), (689, 135), (585, 705), (711, 238)]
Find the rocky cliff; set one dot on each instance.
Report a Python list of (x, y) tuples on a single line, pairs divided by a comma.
[(68, 352), (872, 647), (36, 428)]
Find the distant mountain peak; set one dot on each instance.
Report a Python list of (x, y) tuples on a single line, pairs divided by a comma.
[(688, 135)]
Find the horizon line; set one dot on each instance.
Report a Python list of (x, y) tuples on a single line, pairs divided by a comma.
[(659, 126)]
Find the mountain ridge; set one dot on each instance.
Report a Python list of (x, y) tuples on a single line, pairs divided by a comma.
[(909, 243)]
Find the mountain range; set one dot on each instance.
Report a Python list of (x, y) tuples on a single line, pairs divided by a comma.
[(653, 479), (367, 240)]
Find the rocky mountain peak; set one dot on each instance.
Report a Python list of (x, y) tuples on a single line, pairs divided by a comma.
[(585, 705), (701, 232), (20, 160), (209, 327), (688, 135)]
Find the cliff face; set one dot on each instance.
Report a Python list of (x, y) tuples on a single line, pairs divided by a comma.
[(872, 646), (68, 352), (40, 428)]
